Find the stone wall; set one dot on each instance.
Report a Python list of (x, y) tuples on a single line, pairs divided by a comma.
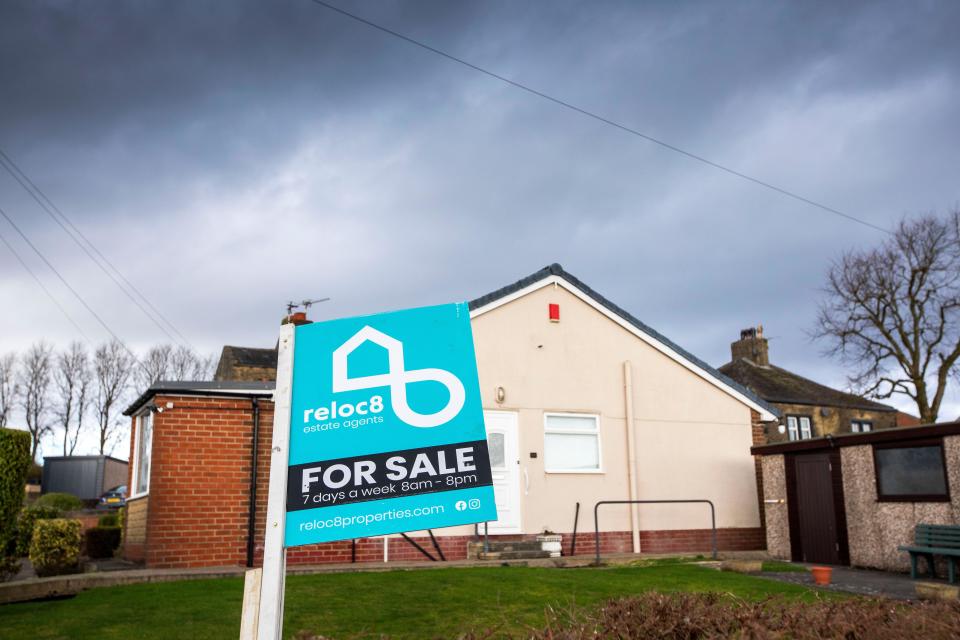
[(836, 421), (135, 529), (876, 529), (777, 524)]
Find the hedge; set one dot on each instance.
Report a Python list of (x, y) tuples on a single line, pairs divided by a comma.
[(714, 616), (14, 463), (61, 501), (102, 542), (25, 524), (55, 547), (109, 520)]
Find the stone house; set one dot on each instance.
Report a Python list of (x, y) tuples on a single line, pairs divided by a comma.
[(809, 409), (247, 364)]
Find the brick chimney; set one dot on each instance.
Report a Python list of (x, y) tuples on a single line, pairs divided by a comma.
[(297, 318), (752, 346)]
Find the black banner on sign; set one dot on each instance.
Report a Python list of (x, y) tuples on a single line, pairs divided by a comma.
[(388, 475)]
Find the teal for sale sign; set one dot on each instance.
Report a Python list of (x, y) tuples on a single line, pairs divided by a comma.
[(386, 427)]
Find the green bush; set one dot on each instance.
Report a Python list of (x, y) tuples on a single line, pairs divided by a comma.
[(109, 520), (14, 464), (25, 524), (102, 542), (9, 567), (55, 547), (61, 501), (122, 523)]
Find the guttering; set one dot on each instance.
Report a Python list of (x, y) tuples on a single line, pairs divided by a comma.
[(252, 508), (203, 388), (897, 434)]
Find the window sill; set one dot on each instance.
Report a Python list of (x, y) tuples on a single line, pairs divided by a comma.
[(138, 496), (592, 472), (925, 498)]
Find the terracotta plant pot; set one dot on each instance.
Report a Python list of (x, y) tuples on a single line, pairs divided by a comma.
[(821, 575)]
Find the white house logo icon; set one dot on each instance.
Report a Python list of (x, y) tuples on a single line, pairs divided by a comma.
[(397, 379)]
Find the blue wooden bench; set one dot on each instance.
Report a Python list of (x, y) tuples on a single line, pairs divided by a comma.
[(935, 540)]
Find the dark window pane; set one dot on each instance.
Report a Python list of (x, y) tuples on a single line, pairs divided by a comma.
[(910, 471)]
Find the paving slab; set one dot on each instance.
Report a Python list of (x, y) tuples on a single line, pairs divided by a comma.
[(864, 582)]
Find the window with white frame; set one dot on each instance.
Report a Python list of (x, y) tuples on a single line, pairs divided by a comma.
[(799, 428), (861, 426), (571, 443), (144, 443)]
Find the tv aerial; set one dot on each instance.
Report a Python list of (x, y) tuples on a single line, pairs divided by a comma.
[(303, 304)]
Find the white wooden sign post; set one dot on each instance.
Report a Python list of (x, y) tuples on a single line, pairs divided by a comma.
[(266, 614)]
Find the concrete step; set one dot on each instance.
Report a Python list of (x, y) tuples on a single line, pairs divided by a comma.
[(515, 555), (519, 545)]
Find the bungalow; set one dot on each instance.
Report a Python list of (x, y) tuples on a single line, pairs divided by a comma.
[(583, 403)]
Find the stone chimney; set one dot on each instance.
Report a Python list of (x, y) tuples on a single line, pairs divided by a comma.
[(752, 346)]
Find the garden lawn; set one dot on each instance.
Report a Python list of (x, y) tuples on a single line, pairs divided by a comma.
[(403, 604)]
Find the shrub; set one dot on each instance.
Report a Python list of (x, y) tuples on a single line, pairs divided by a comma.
[(55, 547), (26, 522), (14, 463), (61, 501), (109, 520), (121, 516), (711, 616), (9, 567), (102, 541)]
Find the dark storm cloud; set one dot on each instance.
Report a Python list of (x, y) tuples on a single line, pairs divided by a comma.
[(234, 155)]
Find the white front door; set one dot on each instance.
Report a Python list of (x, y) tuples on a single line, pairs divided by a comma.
[(505, 466)]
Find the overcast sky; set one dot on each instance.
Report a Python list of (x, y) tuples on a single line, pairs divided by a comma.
[(232, 156)]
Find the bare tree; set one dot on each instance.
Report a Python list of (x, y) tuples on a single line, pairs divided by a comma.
[(155, 366), (8, 386), (892, 313), (113, 368), (206, 366), (34, 380), (72, 378), (166, 362), (186, 364)]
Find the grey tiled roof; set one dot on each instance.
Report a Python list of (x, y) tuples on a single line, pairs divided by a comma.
[(779, 385), (557, 270)]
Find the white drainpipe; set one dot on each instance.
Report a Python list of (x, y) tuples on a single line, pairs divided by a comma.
[(631, 454)]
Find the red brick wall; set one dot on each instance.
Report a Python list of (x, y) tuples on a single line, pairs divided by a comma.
[(668, 541), (199, 496), (199, 481)]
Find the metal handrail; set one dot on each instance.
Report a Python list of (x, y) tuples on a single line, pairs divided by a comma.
[(596, 520)]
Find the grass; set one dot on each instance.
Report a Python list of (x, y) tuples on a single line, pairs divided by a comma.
[(403, 604), (773, 566)]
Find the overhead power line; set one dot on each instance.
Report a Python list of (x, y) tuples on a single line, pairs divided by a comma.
[(595, 116), (50, 295), (53, 211), (69, 287)]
